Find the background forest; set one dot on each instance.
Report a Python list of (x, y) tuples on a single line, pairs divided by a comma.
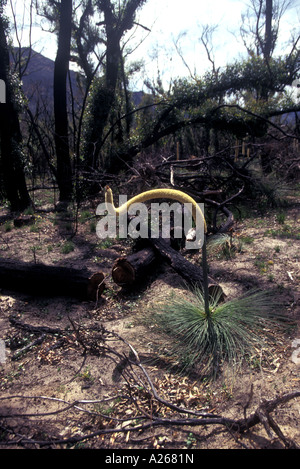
[(94, 128), (121, 343)]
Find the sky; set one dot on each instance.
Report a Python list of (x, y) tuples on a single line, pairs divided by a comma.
[(181, 21)]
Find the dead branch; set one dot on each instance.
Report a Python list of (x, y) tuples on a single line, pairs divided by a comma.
[(222, 207), (262, 415), (34, 329), (25, 349)]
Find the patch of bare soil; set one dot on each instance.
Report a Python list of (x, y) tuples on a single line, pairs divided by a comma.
[(83, 375)]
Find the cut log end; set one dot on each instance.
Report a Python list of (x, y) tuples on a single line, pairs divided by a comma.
[(96, 286), (123, 272)]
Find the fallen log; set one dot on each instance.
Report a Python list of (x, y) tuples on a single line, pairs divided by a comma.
[(190, 272), (127, 271), (45, 280)]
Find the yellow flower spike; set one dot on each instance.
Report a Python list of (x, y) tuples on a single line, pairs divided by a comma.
[(172, 194)]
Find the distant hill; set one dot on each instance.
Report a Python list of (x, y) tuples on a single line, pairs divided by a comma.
[(38, 79)]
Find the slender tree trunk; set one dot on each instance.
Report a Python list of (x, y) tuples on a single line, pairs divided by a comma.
[(268, 40), (61, 67), (268, 30), (10, 137)]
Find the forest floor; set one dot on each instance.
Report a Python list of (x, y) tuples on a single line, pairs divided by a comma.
[(46, 379)]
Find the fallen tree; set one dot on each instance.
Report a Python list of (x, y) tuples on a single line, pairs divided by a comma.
[(48, 280), (128, 271)]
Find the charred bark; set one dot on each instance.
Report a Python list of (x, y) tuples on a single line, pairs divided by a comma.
[(45, 280), (61, 67), (129, 271), (11, 166)]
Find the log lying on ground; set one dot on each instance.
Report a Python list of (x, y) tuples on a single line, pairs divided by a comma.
[(190, 272), (127, 271), (45, 280)]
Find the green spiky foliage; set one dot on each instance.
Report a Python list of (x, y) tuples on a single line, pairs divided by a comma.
[(228, 332)]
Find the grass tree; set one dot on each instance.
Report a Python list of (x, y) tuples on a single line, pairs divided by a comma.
[(206, 332), (227, 333)]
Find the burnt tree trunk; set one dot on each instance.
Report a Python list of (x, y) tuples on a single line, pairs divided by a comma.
[(190, 272), (128, 271), (11, 166), (61, 67), (45, 280)]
